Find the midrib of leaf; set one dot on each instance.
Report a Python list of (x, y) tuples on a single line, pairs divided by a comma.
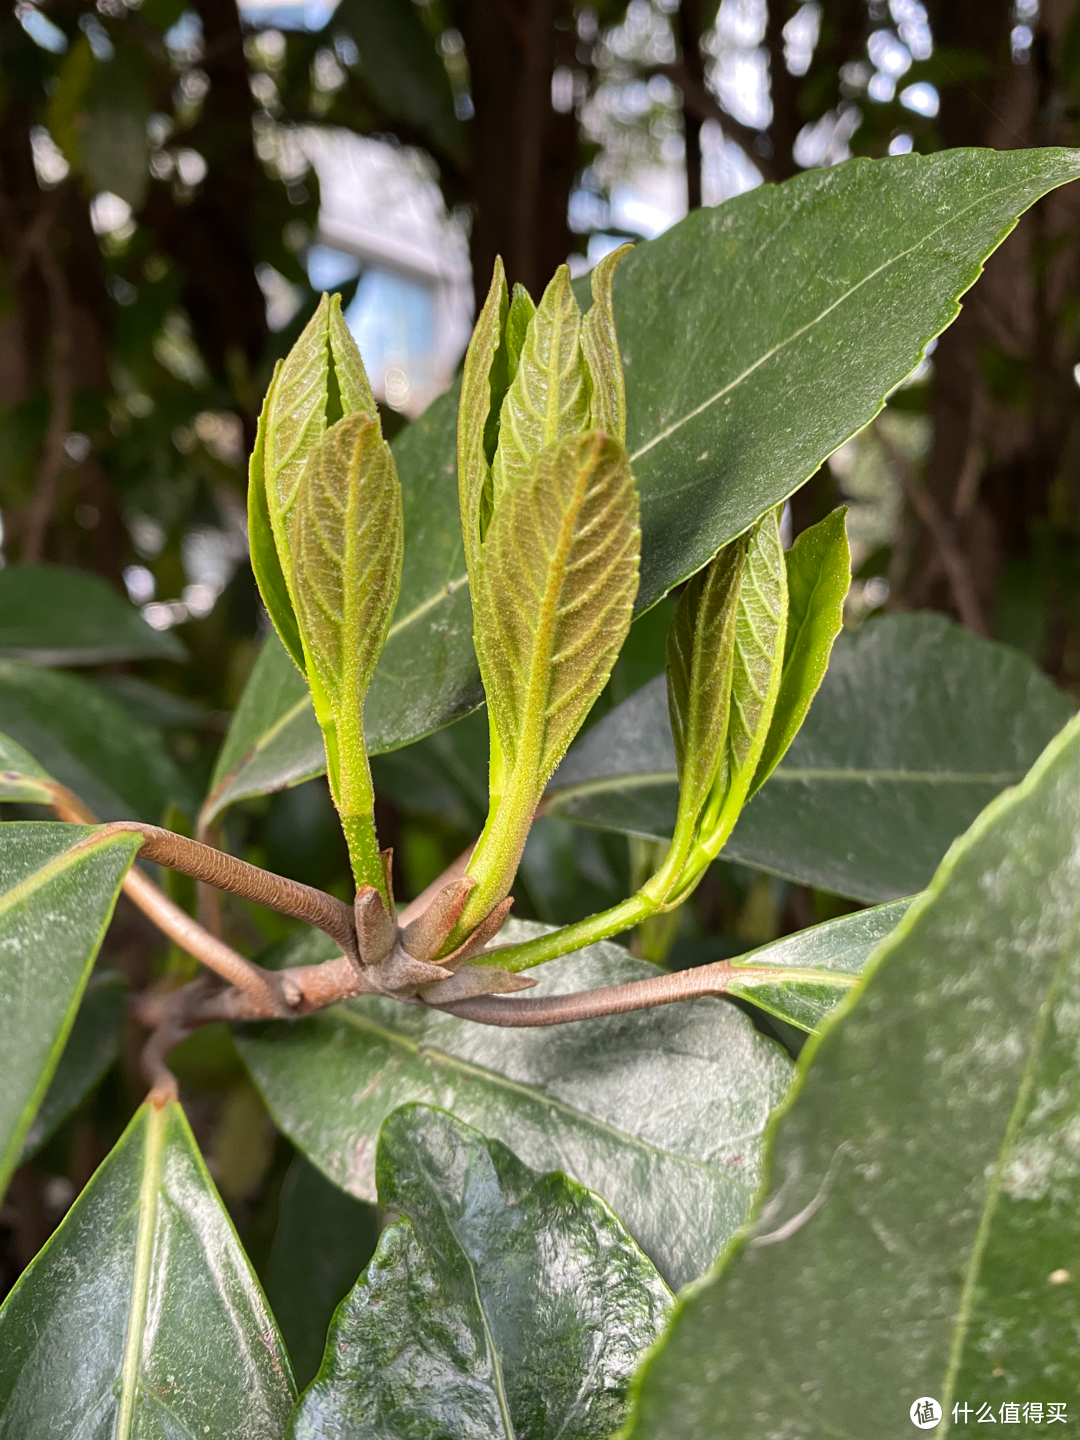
[(496, 1363), (442, 1058), (149, 1193), (419, 611), (55, 867), (993, 1192), (763, 359), (613, 783)]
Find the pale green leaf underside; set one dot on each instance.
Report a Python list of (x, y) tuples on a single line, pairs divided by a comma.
[(917, 726), (925, 1197), (555, 597), (60, 883), (659, 1112), (141, 1318), (549, 395), (505, 1304)]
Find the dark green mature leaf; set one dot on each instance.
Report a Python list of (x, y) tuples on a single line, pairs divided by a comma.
[(60, 885), (89, 742), (324, 1238), (735, 324), (917, 726), (21, 777), (922, 1231), (832, 956), (507, 1303), (274, 740), (427, 674), (141, 1318), (818, 577), (660, 1112), (733, 327), (51, 615), (91, 1048)]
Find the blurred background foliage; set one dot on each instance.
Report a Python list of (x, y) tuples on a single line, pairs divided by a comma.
[(177, 184)]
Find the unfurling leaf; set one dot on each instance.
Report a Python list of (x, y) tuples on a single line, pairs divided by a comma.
[(507, 1303), (818, 577), (549, 395), (320, 380), (348, 542), (553, 603), (481, 395), (700, 666), (600, 346)]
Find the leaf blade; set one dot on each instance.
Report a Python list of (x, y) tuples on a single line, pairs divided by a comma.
[(933, 1161), (124, 1328), (554, 1096), (61, 883), (506, 1303)]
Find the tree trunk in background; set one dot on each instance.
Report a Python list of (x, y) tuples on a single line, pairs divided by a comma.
[(211, 238), (524, 153), (1004, 406), (689, 30)]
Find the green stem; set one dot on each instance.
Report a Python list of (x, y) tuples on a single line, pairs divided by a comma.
[(573, 937)]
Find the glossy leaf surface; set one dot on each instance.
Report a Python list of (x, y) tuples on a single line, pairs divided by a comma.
[(60, 883), (90, 743), (92, 1046), (922, 1226), (733, 327), (506, 1303), (660, 1112), (917, 725), (818, 576), (819, 965), (51, 615), (141, 1319)]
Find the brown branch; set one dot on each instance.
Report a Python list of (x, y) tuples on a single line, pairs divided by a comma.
[(607, 1000), (226, 872), (953, 560), (62, 397), (176, 923)]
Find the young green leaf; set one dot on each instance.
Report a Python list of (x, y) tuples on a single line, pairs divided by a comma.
[(347, 374), (920, 1231), (507, 1303), (600, 346), (580, 1098), (60, 886), (700, 667), (917, 726), (553, 605), (818, 577), (293, 421), (477, 410), (347, 553), (760, 626), (141, 1317), (550, 392), (265, 561)]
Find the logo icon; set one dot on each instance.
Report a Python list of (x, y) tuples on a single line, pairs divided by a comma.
[(925, 1413)]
